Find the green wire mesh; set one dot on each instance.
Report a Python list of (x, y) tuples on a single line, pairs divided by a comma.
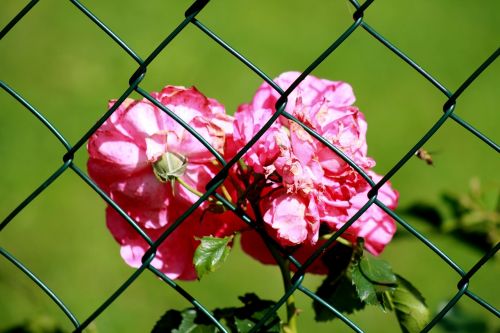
[(463, 277)]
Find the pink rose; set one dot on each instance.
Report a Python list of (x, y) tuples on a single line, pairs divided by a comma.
[(312, 185), (153, 168), (174, 257), (375, 226), (247, 123), (127, 148), (287, 219), (253, 245)]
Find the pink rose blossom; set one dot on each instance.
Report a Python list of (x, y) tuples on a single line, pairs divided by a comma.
[(174, 257), (312, 185), (247, 123), (131, 155), (287, 217), (253, 245), (375, 226), (154, 169)]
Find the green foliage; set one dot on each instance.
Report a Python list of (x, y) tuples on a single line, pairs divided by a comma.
[(376, 270), (372, 278), (242, 319), (409, 305), (339, 293), (473, 217), (235, 319), (365, 289), (366, 280), (189, 320), (337, 288), (211, 254)]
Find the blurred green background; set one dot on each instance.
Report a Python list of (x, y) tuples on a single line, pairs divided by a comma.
[(67, 68)]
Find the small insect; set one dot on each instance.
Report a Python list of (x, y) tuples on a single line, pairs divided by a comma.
[(424, 155)]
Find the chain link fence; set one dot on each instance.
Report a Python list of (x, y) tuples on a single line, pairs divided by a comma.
[(463, 276)]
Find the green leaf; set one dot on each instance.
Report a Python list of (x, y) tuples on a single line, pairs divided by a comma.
[(337, 288), (339, 293), (234, 319), (253, 310), (376, 270), (194, 322), (372, 278), (211, 254), (386, 300), (188, 321), (244, 325), (365, 289), (409, 305), (171, 320), (338, 258)]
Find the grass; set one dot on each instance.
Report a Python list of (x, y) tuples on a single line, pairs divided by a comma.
[(67, 68)]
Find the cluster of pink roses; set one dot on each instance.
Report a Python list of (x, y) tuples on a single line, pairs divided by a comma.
[(155, 169)]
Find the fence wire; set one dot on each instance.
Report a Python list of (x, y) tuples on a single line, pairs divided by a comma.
[(463, 277)]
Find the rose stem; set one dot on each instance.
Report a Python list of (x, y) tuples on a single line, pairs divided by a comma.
[(188, 187), (284, 265)]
